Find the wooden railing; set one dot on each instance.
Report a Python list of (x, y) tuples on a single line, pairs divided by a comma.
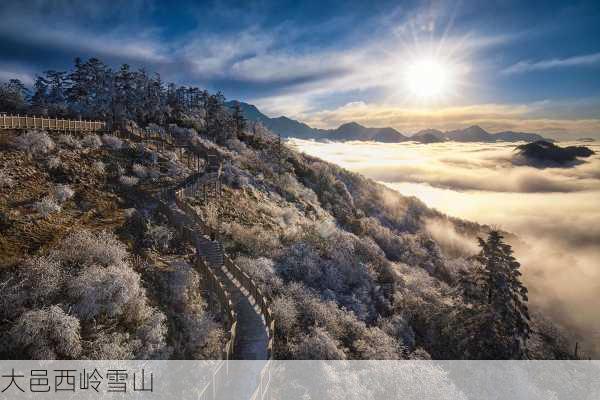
[(51, 124)]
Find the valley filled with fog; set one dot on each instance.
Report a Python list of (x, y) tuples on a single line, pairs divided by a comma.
[(555, 212)]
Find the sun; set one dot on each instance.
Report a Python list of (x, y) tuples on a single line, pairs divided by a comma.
[(428, 79)]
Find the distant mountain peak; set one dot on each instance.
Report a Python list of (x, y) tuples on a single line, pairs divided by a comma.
[(476, 128), (351, 124), (288, 127)]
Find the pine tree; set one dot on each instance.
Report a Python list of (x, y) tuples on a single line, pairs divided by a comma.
[(13, 96), (495, 319), (39, 100), (57, 99)]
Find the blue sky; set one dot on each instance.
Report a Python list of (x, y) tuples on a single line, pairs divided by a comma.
[(502, 64)]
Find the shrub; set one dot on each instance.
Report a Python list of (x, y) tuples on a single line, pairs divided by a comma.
[(62, 193), (290, 185), (398, 327), (127, 180), (262, 271), (159, 235), (195, 334), (120, 170), (140, 171), (47, 334), (285, 313), (5, 179), (42, 278), (34, 142), (153, 129), (210, 215), (171, 155), (374, 344), (46, 206), (110, 346), (13, 299), (318, 345), (91, 141), (107, 292), (99, 167), (153, 333), (54, 163), (69, 141), (256, 240), (112, 142), (86, 248)]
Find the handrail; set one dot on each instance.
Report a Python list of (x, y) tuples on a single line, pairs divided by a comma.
[(52, 124)]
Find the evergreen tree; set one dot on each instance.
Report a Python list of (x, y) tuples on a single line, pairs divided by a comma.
[(495, 319), (39, 100), (57, 98), (91, 90), (78, 92), (13, 96), (124, 94)]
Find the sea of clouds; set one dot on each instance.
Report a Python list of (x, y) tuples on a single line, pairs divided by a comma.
[(554, 211)]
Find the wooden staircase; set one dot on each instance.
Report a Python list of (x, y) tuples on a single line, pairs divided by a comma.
[(211, 251)]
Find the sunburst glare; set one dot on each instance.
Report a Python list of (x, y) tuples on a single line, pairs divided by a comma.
[(428, 78)]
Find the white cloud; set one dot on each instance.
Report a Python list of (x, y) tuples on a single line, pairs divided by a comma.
[(576, 61)]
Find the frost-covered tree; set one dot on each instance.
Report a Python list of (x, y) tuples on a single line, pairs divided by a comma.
[(496, 317), (13, 96), (56, 93)]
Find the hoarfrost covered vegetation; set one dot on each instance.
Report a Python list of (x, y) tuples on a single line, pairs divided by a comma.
[(35, 143), (81, 292), (46, 206), (127, 180)]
